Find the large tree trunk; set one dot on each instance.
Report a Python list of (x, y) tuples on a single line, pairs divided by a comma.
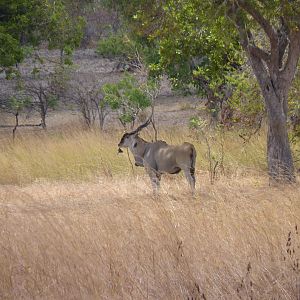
[(274, 68), (280, 160), (279, 154)]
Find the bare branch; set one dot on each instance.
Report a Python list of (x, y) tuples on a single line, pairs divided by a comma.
[(258, 17), (290, 67)]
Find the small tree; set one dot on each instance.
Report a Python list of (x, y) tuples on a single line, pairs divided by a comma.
[(215, 158), (127, 98), (88, 96), (18, 103), (46, 92)]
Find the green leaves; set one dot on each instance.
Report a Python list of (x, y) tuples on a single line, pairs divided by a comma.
[(27, 23), (64, 33), (126, 97), (19, 102), (246, 100), (116, 45), (198, 124), (187, 38), (10, 51)]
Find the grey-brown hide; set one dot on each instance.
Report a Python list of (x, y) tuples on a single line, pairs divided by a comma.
[(159, 157)]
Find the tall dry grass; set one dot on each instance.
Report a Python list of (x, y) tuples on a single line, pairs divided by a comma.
[(110, 239), (82, 155), (76, 223)]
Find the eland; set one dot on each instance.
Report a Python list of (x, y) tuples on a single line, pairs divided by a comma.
[(160, 158)]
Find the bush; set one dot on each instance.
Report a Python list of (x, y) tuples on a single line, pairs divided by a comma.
[(116, 45), (127, 98)]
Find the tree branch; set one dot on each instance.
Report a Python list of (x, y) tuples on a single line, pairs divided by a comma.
[(259, 53), (273, 61), (290, 67), (283, 41), (258, 17), (248, 44)]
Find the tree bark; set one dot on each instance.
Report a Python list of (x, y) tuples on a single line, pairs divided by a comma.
[(275, 93), (280, 160), (43, 119), (43, 109), (274, 75)]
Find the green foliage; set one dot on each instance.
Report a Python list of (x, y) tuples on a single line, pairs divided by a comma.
[(27, 23), (132, 50), (198, 42), (20, 25), (116, 45), (19, 102), (193, 53), (188, 51), (64, 32), (10, 53), (246, 100), (196, 123), (127, 98)]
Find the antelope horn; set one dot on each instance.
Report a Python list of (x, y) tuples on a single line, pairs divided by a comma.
[(142, 126)]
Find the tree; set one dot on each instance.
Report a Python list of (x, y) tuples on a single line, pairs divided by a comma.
[(45, 93), (89, 98), (36, 94), (268, 32), (21, 24), (186, 54), (27, 23), (64, 32), (127, 98), (274, 67)]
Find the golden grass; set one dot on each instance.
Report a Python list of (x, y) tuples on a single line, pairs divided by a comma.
[(110, 239), (76, 223), (82, 155)]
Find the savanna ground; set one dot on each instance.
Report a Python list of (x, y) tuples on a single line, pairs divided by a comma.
[(78, 222)]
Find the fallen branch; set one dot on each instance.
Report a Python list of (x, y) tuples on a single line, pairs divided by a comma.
[(19, 125)]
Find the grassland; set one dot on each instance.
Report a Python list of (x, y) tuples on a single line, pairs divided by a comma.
[(83, 155), (77, 223)]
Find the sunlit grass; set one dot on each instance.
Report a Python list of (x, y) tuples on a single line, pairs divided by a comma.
[(82, 155), (76, 224), (111, 239)]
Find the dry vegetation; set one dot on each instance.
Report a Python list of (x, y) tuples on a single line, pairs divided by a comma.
[(81, 155), (77, 224)]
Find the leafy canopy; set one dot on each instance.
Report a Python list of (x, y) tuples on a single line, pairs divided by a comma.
[(190, 52), (199, 39), (27, 23)]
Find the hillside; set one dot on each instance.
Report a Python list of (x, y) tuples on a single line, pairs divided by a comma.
[(171, 108)]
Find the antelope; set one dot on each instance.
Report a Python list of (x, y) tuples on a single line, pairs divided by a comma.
[(159, 158)]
